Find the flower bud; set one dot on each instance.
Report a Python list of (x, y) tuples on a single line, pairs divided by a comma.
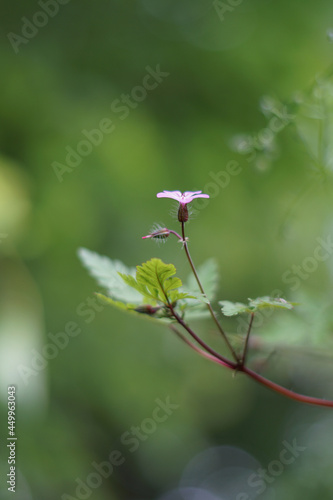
[(160, 233), (147, 309), (182, 212)]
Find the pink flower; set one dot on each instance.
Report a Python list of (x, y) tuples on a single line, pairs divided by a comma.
[(183, 198)]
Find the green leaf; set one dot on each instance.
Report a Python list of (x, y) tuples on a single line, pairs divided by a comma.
[(157, 277), (144, 310), (116, 303), (234, 308), (141, 288), (137, 290), (106, 272), (155, 280), (175, 295), (276, 302)]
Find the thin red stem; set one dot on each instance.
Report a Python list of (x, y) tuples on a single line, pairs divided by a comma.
[(196, 348), (212, 355), (225, 361), (285, 392), (203, 292), (176, 234), (247, 340)]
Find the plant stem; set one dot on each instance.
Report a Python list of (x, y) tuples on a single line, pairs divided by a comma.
[(247, 340), (203, 292), (176, 234), (225, 361), (285, 392), (217, 358), (197, 349)]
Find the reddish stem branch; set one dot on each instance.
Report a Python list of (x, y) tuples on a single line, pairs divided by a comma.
[(196, 348), (225, 361), (285, 392), (214, 356)]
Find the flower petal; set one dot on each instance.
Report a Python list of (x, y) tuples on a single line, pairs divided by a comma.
[(199, 196), (175, 195), (183, 198), (189, 196), (189, 193)]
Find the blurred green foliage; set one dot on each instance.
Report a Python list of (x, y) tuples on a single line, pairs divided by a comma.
[(227, 79)]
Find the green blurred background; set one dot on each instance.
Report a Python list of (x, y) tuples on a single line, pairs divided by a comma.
[(63, 79)]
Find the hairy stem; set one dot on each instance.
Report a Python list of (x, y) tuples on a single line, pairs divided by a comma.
[(203, 292)]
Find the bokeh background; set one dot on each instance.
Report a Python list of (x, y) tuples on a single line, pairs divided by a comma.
[(228, 69)]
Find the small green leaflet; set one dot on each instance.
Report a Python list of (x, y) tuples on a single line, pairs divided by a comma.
[(155, 280), (234, 308), (277, 302)]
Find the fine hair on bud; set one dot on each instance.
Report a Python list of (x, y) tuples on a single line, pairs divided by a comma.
[(159, 233), (174, 212), (182, 213)]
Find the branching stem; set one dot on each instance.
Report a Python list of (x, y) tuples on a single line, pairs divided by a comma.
[(212, 355), (212, 313), (225, 361)]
